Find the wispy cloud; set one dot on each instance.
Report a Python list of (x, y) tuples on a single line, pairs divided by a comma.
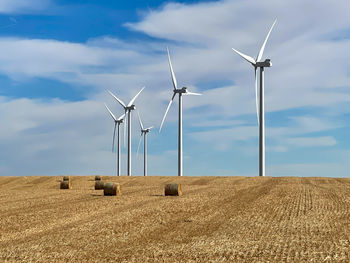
[(55, 59), (312, 141), (282, 138), (23, 6)]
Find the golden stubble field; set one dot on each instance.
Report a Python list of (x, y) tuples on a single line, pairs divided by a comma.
[(218, 219)]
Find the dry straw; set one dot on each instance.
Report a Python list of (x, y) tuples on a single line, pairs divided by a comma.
[(98, 178), (173, 189), (99, 185), (112, 189), (66, 178), (66, 185)]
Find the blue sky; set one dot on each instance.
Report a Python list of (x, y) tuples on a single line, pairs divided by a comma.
[(57, 58)]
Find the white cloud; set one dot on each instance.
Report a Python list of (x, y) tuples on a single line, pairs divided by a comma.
[(282, 138), (23, 6), (304, 125), (55, 59), (217, 123), (312, 141), (226, 135), (185, 22)]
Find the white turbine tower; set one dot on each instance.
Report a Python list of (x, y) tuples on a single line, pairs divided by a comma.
[(144, 132), (182, 91), (257, 63), (117, 123), (128, 108)]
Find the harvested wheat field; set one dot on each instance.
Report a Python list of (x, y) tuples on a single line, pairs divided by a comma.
[(217, 219)]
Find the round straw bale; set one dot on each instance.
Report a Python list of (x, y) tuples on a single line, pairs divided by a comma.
[(173, 189), (98, 178), (111, 189), (66, 185), (66, 178), (99, 185)]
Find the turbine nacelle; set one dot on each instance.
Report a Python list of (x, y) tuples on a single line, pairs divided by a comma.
[(264, 64), (130, 108), (183, 90), (146, 130), (119, 121)]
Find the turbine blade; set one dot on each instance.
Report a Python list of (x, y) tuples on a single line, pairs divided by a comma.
[(246, 57), (134, 98), (166, 112), (138, 147), (121, 117), (110, 112), (140, 120), (149, 128), (115, 126), (263, 46), (172, 71), (256, 96), (119, 100), (192, 93), (125, 132)]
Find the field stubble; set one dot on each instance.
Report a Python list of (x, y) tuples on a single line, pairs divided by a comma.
[(218, 219)]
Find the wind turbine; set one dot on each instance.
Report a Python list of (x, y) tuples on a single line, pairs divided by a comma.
[(144, 132), (128, 108), (182, 91), (117, 123), (260, 111)]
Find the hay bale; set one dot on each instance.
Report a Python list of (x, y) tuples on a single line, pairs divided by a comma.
[(111, 189), (99, 185), (66, 185), (98, 178), (173, 189), (66, 178)]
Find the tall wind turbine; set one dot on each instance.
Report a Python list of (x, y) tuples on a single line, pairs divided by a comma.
[(117, 123), (128, 108), (260, 111), (182, 91), (144, 132)]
